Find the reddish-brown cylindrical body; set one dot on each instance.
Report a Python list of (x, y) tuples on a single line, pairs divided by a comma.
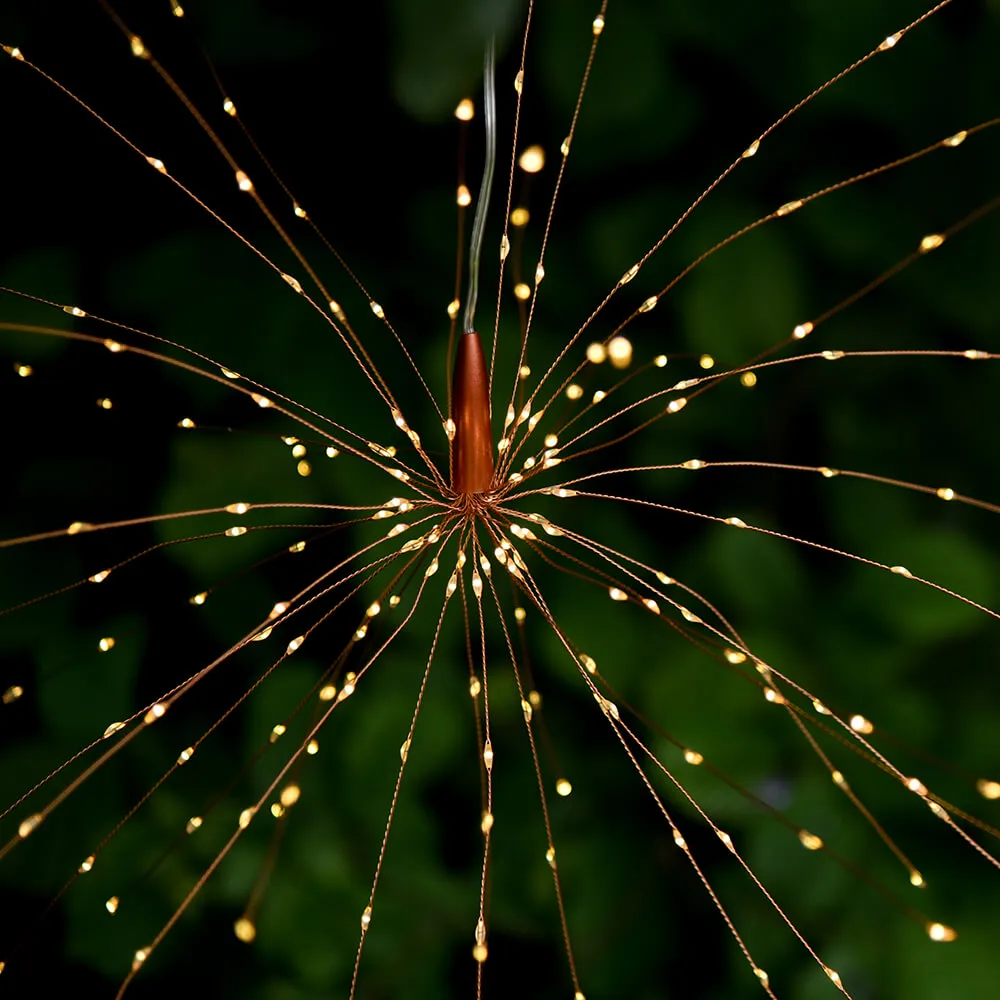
[(472, 446)]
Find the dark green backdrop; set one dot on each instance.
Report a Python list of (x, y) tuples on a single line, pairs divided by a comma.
[(352, 105)]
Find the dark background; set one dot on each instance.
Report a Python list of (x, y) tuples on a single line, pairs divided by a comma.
[(353, 108)]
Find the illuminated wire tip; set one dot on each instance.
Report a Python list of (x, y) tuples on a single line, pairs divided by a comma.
[(466, 110), (111, 905)]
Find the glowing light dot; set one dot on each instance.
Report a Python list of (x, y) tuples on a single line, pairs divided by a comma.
[(589, 664), (890, 41), (138, 49), (185, 755), (86, 865), (235, 531), (916, 879), (832, 355), (522, 373), (336, 310), (802, 330), (156, 712), (453, 308), (522, 291), (193, 824), (827, 473), (539, 273), (243, 182), (735, 656), (139, 957), (292, 282), (532, 159), (751, 150), (186, 423), (706, 361), (679, 840), (597, 27), (111, 904), (693, 757), (245, 930), (916, 786), (299, 211), (861, 725), (599, 395), (108, 642), (941, 932), (262, 401), (789, 207), (14, 53), (463, 197), (100, 577), (608, 707), (765, 979), (480, 953), (229, 107), (620, 352), (617, 595), (12, 694), (955, 140), (550, 856), (104, 403), (25, 371), (975, 355), (404, 751), (775, 697), (651, 605), (988, 789), (488, 755), (290, 794), (563, 788), (628, 275), (931, 242), (348, 689), (676, 405), (693, 463), (115, 727), (810, 841), (519, 217), (27, 826), (726, 839), (748, 379), (901, 571), (504, 247), (74, 311)]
